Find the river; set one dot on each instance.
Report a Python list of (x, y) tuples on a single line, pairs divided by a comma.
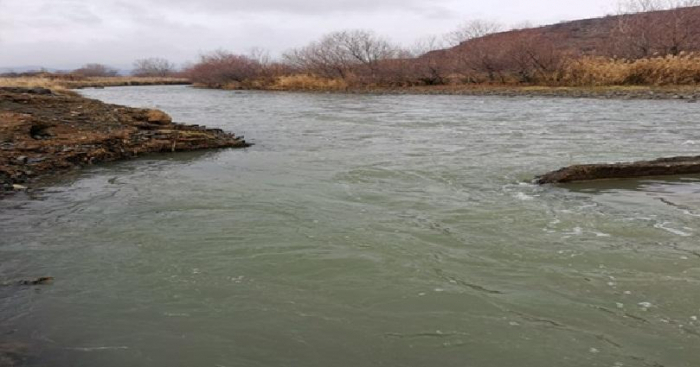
[(365, 230)]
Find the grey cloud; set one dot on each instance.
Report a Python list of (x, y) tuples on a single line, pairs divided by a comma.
[(68, 33), (300, 7)]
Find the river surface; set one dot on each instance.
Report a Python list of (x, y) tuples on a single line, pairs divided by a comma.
[(365, 230)]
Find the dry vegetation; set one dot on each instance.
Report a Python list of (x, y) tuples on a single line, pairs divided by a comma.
[(650, 43), (658, 71), (64, 83)]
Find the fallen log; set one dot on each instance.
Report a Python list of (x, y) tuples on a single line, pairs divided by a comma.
[(590, 172)]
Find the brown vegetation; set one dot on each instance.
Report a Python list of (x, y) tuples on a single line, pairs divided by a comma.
[(96, 70), (655, 47), (62, 83), (154, 67), (43, 132)]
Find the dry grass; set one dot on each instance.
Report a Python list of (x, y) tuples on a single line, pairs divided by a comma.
[(32, 82), (598, 71), (62, 84), (308, 83)]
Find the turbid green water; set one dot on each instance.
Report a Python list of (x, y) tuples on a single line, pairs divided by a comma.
[(366, 231)]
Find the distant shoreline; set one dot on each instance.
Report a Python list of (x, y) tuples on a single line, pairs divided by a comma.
[(66, 83), (683, 93), (689, 93), (44, 133)]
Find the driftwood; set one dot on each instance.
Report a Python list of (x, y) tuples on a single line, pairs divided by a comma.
[(589, 172)]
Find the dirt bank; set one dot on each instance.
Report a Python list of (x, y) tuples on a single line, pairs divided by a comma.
[(681, 93), (42, 133), (589, 172)]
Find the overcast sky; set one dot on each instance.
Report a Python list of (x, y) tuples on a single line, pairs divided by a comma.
[(69, 33)]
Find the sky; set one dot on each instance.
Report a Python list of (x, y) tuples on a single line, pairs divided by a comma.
[(66, 34)]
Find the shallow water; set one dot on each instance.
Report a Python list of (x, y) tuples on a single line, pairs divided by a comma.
[(366, 231)]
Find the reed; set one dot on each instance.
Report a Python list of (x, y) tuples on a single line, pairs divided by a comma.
[(682, 69), (65, 82), (308, 82)]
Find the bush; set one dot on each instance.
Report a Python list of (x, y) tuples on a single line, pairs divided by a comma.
[(221, 69)]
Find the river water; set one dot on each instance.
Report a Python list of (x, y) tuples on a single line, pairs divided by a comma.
[(366, 230)]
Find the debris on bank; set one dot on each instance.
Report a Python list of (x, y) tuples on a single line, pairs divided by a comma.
[(588, 172), (42, 132)]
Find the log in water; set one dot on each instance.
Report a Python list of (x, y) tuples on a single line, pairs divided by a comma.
[(659, 167)]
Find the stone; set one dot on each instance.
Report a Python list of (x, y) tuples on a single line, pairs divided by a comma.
[(158, 117)]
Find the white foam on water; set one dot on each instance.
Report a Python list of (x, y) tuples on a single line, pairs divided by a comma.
[(524, 197), (94, 349), (671, 230), (576, 231), (168, 314)]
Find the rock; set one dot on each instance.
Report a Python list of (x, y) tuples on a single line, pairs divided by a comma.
[(158, 117), (589, 172), (50, 133), (35, 160), (39, 91), (38, 281)]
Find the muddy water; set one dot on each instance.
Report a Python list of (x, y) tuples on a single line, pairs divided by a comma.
[(366, 231)]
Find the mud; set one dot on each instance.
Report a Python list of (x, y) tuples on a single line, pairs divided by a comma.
[(44, 133)]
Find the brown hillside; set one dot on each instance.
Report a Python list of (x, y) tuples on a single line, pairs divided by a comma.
[(629, 36)]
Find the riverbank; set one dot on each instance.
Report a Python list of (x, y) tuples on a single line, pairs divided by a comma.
[(684, 93), (45, 132), (319, 85), (64, 83), (688, 93)]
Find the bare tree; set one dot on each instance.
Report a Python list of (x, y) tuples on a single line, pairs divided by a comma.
[(153, 67), (641, 6), (224, 69), (649, 27), (427, 44), (472, 29), (96, 70), (340, 53), (260, 55)]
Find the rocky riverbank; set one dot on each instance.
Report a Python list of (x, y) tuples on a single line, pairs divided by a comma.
[(42, 133), (589, 172)]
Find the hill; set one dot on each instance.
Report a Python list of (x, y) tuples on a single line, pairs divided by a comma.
[(629, 35)]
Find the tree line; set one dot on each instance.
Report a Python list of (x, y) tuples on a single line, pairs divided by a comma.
[(647, 42)]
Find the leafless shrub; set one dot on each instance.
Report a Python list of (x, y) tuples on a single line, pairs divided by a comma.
[(472, 29), (95, 70), (340, 54), (654, 27), (153, 67), (222, 69)]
